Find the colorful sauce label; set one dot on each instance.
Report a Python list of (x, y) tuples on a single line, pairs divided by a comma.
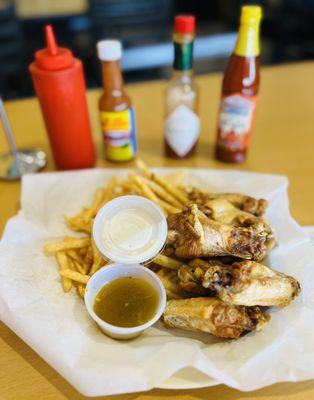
[(236, 121), (119, 134), (182, 128)]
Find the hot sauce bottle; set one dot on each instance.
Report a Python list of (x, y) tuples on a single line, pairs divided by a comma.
[(182, 124), (116, 110), (59, 82), (239, 90)]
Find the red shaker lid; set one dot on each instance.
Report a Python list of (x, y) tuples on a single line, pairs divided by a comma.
[(184, 24), (53, 57)]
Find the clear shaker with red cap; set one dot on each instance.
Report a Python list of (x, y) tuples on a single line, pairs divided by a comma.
[(182, 124)]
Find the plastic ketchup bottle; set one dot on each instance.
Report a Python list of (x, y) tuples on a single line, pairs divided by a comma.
[(60, 86), (240, 90)]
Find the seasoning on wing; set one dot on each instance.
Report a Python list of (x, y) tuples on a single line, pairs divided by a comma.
[(246, 203), (245, 283), (211, 315), (224, 212), (192, 234)]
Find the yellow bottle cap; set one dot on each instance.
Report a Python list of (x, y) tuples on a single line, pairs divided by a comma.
[(251, 14), (248, 38)]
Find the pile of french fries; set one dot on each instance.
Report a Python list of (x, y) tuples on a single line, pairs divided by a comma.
[(79, 259)]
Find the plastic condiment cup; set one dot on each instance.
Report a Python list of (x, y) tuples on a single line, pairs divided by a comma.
[(114, 271), (130, 230)]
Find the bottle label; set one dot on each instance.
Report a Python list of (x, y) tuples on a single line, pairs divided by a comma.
[(182, 129), (183, 56), (119, 134), (235, 121)]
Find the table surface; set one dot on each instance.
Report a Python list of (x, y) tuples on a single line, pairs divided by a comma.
[(282, 143)]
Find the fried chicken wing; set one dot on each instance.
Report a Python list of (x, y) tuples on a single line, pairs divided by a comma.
[(192, 234), (223, 211), (190, 277), (248, 204), (213, 316), (245, 283)]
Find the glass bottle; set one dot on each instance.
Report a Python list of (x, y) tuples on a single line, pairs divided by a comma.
[(182, 124), (115, 106), (239, 90)]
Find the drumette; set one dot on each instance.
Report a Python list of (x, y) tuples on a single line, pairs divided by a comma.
[(245, 283), (192, 234), (213, 316), (253, 206)]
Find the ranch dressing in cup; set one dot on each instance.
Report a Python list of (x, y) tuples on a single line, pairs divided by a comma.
[(130, 229)]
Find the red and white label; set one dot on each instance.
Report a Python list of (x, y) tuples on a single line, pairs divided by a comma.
[(236, 121)]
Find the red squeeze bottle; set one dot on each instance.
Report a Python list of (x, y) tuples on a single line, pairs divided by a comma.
[(59, 84)]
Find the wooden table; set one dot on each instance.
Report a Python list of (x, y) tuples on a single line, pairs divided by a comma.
[(283, 143)]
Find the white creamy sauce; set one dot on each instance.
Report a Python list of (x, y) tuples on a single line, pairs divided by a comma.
[(130, 231)]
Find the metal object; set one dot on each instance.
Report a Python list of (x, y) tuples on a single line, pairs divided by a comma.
[(17, 162)]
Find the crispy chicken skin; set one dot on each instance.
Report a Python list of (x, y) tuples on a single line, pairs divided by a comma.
[(211, 315), (223, 211), (245, 283), (190, 277), (248, 204), (192, 234)]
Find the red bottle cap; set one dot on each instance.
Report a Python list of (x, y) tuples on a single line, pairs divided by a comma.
[(184, 24), (53, 57)]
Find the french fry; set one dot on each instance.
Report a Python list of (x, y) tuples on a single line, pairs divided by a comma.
[(168, 284), (92, 211), (98, 261), (172, 189), (63, 265), (136, 189), (146, 191), (167, 262), (162, 193), (109, 192), (78, 267), (75, 255), (169, 208), (96, 266), (177, 193), (143, 168), (67, 244), (78, 224), (82, 251), (88, 260), (74, 276), (80, 289)]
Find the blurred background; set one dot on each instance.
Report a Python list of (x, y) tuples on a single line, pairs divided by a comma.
[(145, 28)]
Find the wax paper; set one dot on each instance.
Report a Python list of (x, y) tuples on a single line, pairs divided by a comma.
[(57, 326)]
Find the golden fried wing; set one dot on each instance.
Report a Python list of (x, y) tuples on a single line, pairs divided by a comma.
[(224, 212), (247, 283), (190, 277), (246, 203), (192, 234), (213, 316)]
